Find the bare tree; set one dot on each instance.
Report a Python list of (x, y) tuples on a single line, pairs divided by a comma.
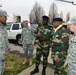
[(68, 16), (36, 13), (53, 12), (61, 15)]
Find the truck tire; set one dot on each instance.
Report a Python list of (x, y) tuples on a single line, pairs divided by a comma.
[(19, 40)]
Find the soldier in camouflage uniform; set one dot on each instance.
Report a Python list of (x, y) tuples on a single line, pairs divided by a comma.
[(27, 38), (72, 54), (3, 40), (60, 44), (43, 35)]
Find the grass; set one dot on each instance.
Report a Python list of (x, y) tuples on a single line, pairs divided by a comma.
[(14, 64)]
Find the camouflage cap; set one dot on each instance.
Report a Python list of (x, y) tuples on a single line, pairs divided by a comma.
[(72, 21), (25, 22), (3, 13)]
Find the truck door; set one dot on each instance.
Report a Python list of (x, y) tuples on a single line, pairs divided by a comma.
[(14, 31)]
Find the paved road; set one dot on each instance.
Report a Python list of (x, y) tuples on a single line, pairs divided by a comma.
[(49, 71)]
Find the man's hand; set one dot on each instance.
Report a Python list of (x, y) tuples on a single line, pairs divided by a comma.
[(39, 36), (57, 60), (33, 43)]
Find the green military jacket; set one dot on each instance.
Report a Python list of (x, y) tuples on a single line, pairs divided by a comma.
[(60, 39), (45, 31)]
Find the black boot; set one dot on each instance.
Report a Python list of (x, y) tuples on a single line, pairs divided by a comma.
[(44, 70), (36, 70)]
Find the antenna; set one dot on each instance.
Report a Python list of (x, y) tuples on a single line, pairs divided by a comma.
[(67, 1)]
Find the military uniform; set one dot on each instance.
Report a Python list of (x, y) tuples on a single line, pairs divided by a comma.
[(3, 47), (27, 37), (72, 56), (60, 44), (72, 53), (43, 47), (44, 30)]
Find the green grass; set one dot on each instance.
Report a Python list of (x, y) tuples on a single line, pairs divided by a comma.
[(14, 65)]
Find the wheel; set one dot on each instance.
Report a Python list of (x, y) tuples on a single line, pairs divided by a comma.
[(19, 40)]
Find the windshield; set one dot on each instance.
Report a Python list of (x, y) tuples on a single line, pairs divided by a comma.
[(8, 26)]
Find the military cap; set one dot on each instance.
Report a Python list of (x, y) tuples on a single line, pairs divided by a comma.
[(57, 19), (45, 17), (72, 21), (25, 21), (3, 13)]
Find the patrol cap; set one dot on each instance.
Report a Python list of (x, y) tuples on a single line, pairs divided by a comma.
[(57, 19), (3, 13), (25, 22), (73, 20), (45, 17)]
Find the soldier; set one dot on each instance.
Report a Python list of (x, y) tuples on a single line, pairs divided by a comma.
[(3, 40), (72, 54), (43, 35), (27, 38), (60, 44)]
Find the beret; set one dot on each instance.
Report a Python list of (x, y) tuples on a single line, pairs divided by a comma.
[(57, 19)]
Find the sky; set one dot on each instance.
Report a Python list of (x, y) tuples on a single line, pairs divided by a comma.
[(23, 7)]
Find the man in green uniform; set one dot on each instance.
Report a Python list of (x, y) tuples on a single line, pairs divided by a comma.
[(60, 44), (43, 35)]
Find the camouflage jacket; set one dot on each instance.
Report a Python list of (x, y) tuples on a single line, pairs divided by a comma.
[(60, 39), (27, 35), (45, 31), (3, 42)]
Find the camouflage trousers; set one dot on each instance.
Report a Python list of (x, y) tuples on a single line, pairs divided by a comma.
[(42, 52), (58, 66), (28, 50), (2, 67)]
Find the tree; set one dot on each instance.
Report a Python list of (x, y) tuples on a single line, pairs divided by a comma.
[(61, 14), (53, 12), (36, 13), (67, 16)]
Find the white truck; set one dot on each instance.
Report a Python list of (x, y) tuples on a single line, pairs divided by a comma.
[(14, 31)]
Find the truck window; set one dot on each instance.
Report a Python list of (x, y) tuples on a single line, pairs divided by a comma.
[(15, 27)]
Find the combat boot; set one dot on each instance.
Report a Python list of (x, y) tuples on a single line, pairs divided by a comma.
[(24, 61), (44, 70), (36, 70), (30, 62)]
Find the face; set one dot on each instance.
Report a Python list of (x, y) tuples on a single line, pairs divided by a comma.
[(72, 28), (3, 19), (26, 25), (57, 23), (45, 21)]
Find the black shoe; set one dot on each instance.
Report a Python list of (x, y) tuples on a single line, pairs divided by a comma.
[(34, 71)]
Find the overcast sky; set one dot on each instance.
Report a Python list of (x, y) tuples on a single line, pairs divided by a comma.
[(23, 7)]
